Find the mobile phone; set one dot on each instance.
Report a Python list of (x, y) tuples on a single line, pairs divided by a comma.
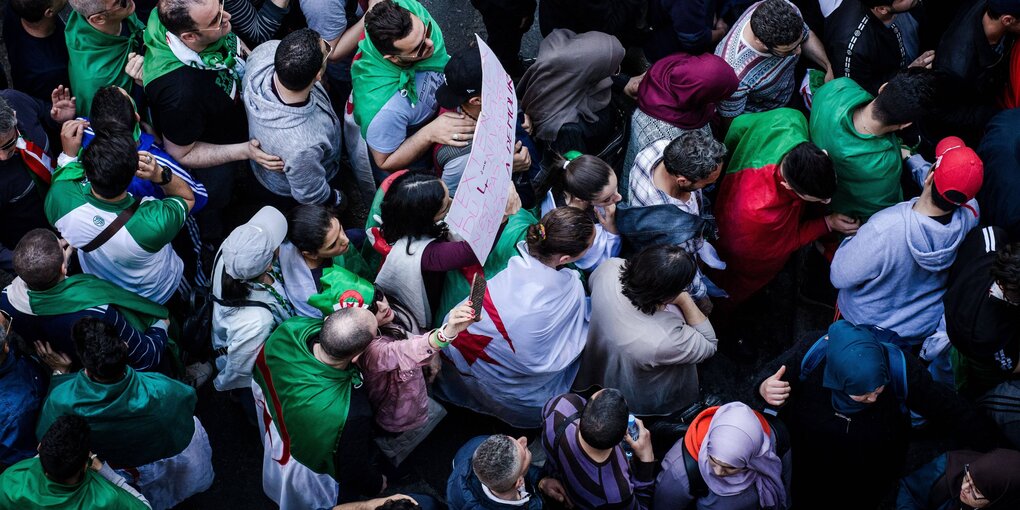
[(478, 285)]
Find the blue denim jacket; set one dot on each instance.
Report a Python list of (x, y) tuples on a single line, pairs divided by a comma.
[(22, 389)]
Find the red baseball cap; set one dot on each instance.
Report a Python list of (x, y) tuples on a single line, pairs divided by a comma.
[(958, 171)]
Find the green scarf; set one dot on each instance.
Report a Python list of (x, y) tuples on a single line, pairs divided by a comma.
[(308, 400), (25, 485), (220, 57), (376, 79), (458, 283), (98, 59), (759, 139), (140, 419), (83, 291)]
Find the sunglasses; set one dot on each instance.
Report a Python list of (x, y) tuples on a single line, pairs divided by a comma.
[(420, 49), (122, 4), (12, 143), (789, 52), (216, 25)]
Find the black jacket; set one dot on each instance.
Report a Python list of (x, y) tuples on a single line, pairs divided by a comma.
[(863, 48), (983, 328), (858, 460), (999, 192)]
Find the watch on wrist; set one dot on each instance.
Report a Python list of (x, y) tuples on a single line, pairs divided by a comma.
[(166, 175)]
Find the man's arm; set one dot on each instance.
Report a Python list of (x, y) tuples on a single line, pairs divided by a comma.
[(815, 50), (150, 170), (205, 155), (455, 129)]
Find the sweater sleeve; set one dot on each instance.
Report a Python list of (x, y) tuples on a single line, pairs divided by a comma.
[(400, 355), (307, 177), (856, 260), (256, 27), (688, 344), (145, 348), (643, 478)]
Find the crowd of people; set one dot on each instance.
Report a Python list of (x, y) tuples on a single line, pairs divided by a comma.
[(251, 195)]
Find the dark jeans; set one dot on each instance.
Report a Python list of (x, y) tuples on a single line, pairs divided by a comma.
[(219, 182)]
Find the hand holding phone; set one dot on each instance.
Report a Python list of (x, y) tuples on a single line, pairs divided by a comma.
[(477, 297)]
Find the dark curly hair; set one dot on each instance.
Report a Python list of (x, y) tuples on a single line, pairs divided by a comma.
[(64, 448), (777, 23), (656, 275), (102, 352), (604, 419), (1006, 269)]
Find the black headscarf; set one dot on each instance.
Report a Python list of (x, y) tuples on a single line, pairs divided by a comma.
[(996, 476)]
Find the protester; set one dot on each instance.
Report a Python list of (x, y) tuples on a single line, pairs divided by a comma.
[(589, 184), (583, 441), (679, 93), (673, 173), (36, 50), (25, 169), (306, 371), (505, 26), (139, 421), (1002, 173), (534, 324), (495, 472), (395, 78), (763, 207), (738, 458), (893, 273), (104, 43), (567, 91), (974, 52), (981, 299), (286, 101), (192, 77), (418, 250), (964, 479), (871, 40), (858, 132), (613, 17), (646, 331), (763, 48), (316, 242), (851, 407), (462, 92), (67, 475), (119, 237), (22, 389), (46, 303)]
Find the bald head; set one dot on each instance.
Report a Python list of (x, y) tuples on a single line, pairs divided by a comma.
[(347, 331)]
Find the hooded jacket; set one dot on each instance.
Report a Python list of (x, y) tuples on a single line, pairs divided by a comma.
[(893, 273), (305, 136)]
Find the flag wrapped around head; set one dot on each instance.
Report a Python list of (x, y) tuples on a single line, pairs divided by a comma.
[(342, 289)]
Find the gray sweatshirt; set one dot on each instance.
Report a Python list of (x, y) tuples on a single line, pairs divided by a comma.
[(306, 137)]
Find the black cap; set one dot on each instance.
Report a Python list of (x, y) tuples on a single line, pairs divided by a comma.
[(463, 79)]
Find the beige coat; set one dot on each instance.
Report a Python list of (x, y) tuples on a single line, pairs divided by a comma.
[(651, 359)]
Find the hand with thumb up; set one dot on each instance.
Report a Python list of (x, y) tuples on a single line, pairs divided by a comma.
[(775, 390)]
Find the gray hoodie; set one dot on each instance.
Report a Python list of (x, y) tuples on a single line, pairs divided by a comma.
[(306, 137)]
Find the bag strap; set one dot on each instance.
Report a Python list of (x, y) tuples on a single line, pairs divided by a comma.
[(695, 482), (222, 351), (898, 373), (813, 357), (562, 427), (112, 228)]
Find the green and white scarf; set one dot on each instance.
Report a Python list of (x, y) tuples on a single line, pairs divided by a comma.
[(167, 53)]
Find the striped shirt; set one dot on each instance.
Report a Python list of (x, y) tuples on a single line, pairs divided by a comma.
[(766, 81), (610, 484)]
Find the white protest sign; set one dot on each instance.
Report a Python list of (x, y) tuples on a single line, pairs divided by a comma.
[(478, 206)]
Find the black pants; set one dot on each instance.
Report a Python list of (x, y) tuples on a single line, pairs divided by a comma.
[(505, 26)]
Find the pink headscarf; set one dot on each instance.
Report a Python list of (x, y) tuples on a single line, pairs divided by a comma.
[(683, 89), (735, 437)]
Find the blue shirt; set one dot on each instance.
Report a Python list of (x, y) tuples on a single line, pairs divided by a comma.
[(22, 388)]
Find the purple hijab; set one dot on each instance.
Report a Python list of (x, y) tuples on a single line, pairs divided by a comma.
[(735, 437), (683, 89)]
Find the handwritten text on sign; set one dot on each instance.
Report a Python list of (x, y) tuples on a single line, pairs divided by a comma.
[(478, 206)]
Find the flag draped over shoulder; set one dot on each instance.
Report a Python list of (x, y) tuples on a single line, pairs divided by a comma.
[(167, 53), (526, 348), (307, 399), (83, 291), (138, 420), (98, 59), (24, 485), (377, 79), (758, 139)]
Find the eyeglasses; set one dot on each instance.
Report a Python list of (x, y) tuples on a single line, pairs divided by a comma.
[(969, 480), (12, 143), (420, 49), (122, 4), (217, 24)]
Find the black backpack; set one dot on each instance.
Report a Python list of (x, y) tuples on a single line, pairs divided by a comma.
[(196, 329)]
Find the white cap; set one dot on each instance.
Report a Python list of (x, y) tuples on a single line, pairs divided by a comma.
[(249, 249)]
